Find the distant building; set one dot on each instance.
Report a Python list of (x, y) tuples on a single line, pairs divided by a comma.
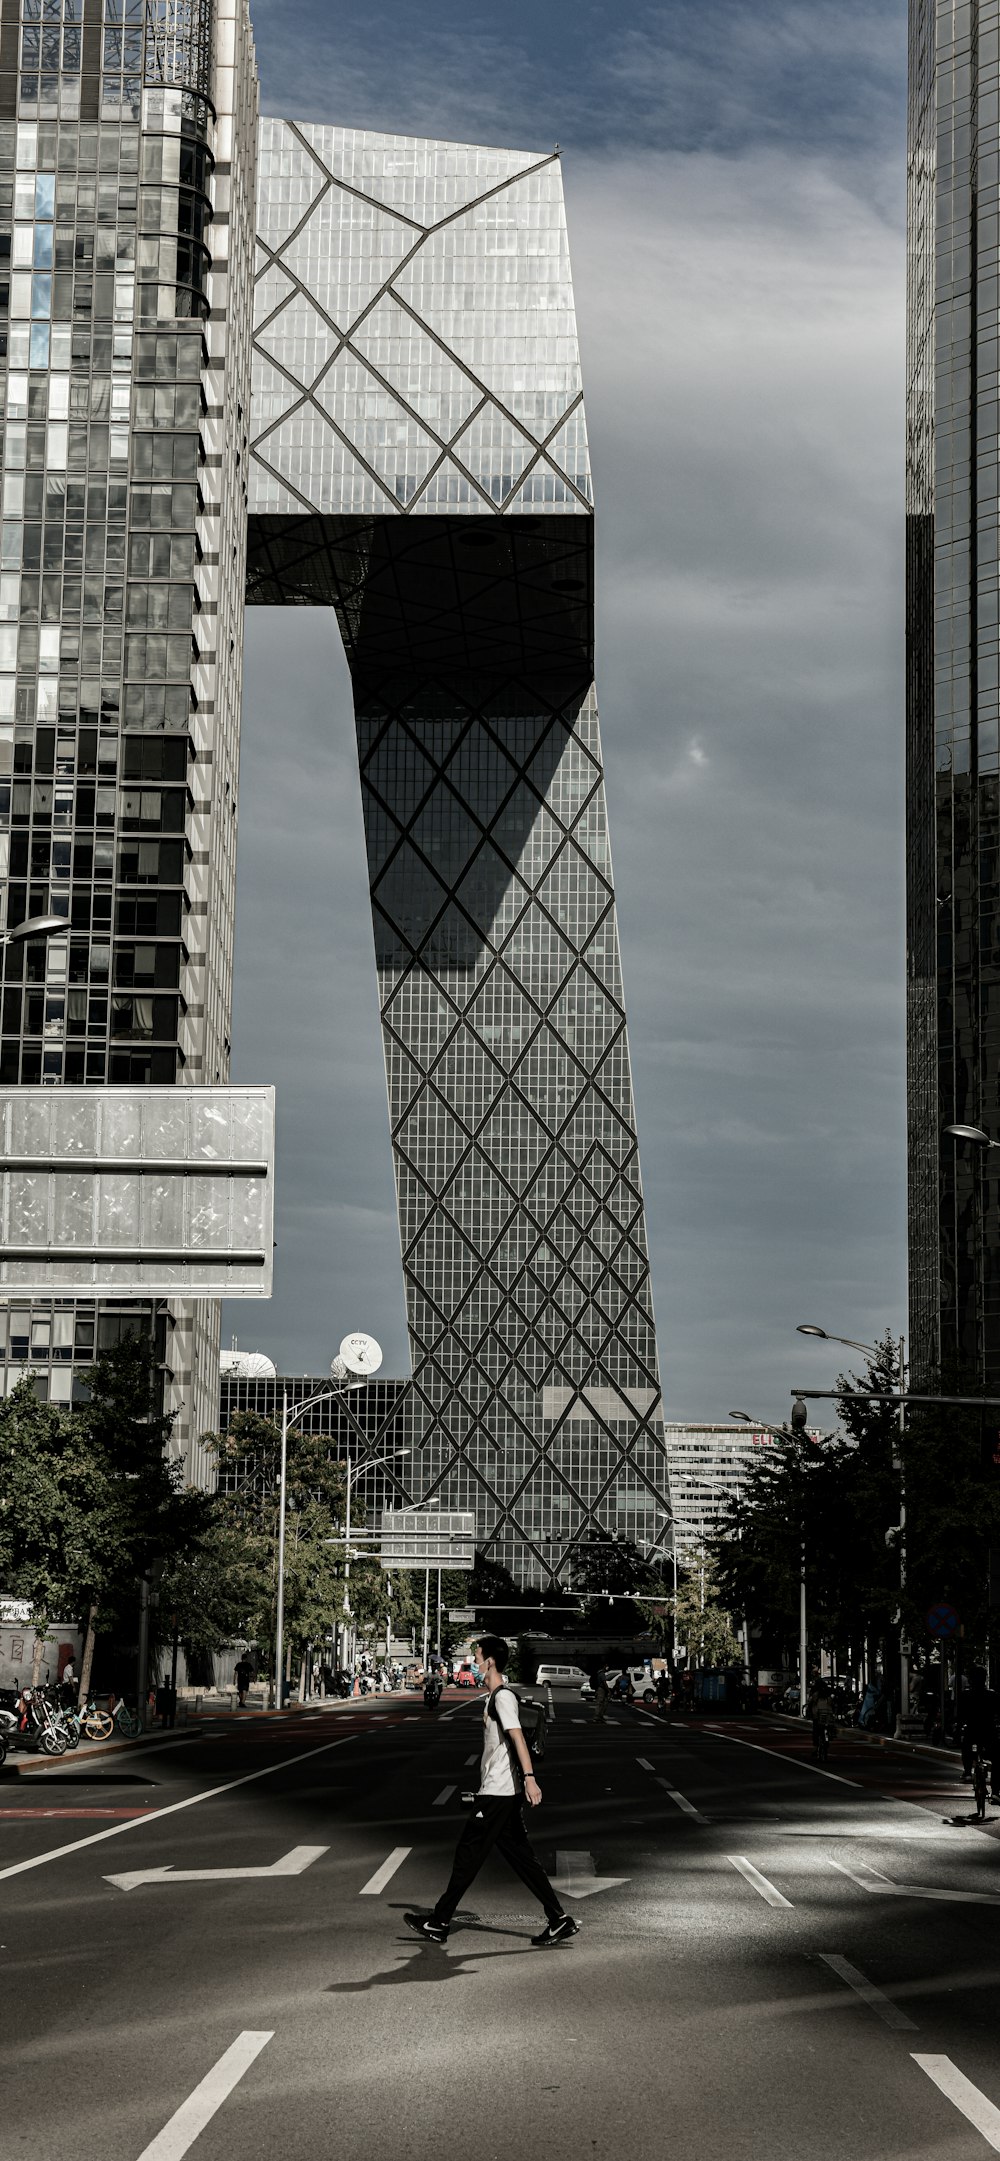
[(708, 1468)]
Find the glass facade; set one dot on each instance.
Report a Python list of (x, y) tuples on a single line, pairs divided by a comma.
[(127, 176), (953, 685), (419, 461)]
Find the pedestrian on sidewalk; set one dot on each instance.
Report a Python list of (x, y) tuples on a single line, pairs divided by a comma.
[(243, 1677), (497, 1819), (601, 1693)]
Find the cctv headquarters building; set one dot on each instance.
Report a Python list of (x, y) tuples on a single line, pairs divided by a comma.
[(299, 365)]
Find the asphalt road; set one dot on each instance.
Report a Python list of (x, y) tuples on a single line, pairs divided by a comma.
[(774, 1964)]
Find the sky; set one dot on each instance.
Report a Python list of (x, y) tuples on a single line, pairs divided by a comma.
[(735, 195)]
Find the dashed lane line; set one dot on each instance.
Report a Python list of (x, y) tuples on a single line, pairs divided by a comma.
[(973, 2105), (765, 1889), (188, 2122), (386, 1873), (875, 1998), (173, 1808), (444, 1795)]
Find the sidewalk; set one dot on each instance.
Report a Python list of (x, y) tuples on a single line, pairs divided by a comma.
[(21, 1764)]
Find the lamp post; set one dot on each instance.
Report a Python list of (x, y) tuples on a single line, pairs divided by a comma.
[(810, 1328), (320, 1396), (791, 1432), (368, 1465)]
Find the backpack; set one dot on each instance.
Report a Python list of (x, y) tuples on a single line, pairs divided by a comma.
[(533, 1723)]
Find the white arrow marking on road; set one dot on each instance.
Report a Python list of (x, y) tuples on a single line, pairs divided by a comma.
[(881, 1886), (291, 1864), (576, 1876)]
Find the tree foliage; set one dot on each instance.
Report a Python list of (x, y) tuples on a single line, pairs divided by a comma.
[(838, 1502)]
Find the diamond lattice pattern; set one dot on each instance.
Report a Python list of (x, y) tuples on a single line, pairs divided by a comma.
[(415, 300)]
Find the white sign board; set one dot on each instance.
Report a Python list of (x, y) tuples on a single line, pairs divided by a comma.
[(427, 1538), (461, 1613), (133, 1190)]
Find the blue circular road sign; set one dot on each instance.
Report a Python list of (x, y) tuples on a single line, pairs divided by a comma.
[(942, 1620)]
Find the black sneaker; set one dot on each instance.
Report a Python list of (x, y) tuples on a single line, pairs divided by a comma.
[(558, 1931), (424, 1924)]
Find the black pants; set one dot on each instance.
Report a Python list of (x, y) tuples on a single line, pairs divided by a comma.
[(497, 1821)]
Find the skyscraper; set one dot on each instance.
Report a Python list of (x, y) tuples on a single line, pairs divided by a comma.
[(417, 461), (127, 166), (420, 463), (953, 687)]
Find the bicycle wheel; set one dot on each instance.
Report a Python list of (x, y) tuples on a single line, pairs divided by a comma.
[(98, 1725), (71, 1729), (128, 1723)]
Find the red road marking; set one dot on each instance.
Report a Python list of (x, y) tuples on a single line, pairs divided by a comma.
[(76, 1812)]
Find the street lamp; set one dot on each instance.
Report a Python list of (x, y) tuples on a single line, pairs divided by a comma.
[(792, 1432), (367, 1464), (342, 1376), (972, 1133), (809, 1328), (35, 926)]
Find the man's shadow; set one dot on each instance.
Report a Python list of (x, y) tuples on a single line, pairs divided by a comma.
[(430, 1961)]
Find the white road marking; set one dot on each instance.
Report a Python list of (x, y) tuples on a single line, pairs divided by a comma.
[(967, 2098), (178, 2136), (875, 1999), (444, 1795), (552, 1708), (760, 1883), (796, 1763), (474, 1758), (580, 1721), (680, 1801), (156, 1815), (881, 1885), (293, 1863), (384, 1874), (646, 1765), (576, 1876)]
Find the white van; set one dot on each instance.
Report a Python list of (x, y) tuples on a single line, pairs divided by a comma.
[(558, 1677)]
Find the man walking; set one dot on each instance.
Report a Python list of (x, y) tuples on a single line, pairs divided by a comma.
[(600, 1693), (497, 1819)]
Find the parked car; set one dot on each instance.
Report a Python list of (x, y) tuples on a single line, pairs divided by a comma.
[(643, 1682)]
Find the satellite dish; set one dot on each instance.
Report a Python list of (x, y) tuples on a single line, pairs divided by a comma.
[(361, 1354), (338, 1369)]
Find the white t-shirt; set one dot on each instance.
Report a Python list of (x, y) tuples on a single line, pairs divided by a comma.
[(496, 1775)]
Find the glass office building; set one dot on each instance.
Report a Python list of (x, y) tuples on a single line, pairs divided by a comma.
[(953, 688), (420, 464), (127, 171)]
